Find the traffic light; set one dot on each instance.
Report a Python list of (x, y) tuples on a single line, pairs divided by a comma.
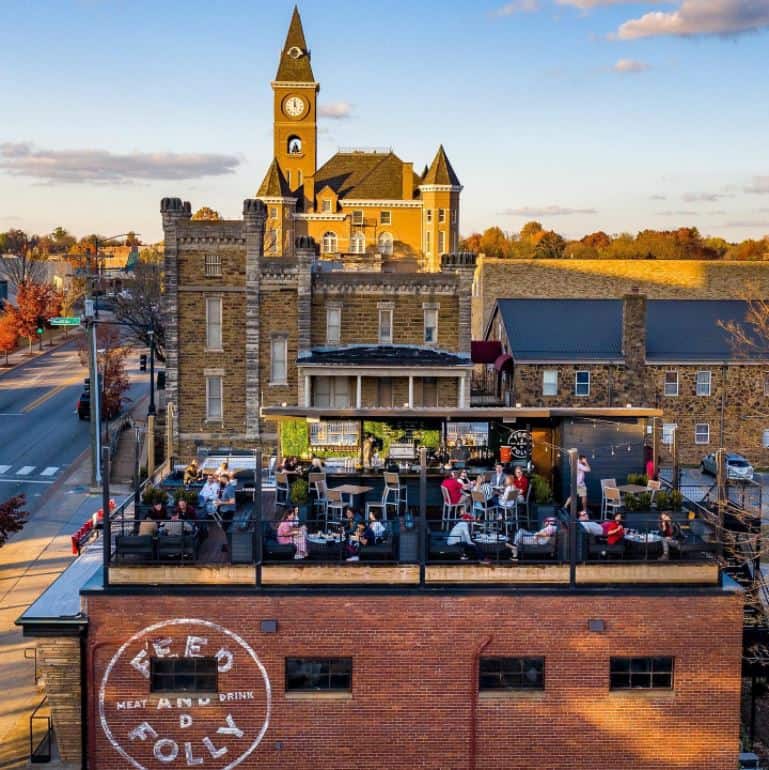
[(143, 362), (40, 324)]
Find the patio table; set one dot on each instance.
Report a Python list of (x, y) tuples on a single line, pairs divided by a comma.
[(351, 490), (632, 489)]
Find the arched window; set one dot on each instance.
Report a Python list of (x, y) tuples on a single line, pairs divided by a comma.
[(386, 244), (294, 144), (329, 243), (358, 243)]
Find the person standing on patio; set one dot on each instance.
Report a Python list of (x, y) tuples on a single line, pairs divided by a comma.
[(583, 467)]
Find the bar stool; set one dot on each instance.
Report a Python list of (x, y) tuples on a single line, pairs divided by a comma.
[(281, 489), (451, 511), (483, 505), (397, 491), (335, 504)]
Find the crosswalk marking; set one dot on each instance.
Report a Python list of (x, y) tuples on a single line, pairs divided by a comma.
[(4, 468), (25, 471), (50, 470)]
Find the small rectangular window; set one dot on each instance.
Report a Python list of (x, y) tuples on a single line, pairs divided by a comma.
[(702, 433), (441, 242), (429, 394), (641, 673), (385, 218), (357, 217), (511, 674), (703, 383), (273, 212), (441, 216), (550, 382), (385, 391), (428, 243), (765, 439), (325, 205), (766, 383), (214, 401), (671, 383), (278, 361), (453, 216), (184, 675), (428, 215), (213, 265), (318, 674), (668, 429), (214, 323), (431, 325), (385, 326), (333, 325), (582, 383)]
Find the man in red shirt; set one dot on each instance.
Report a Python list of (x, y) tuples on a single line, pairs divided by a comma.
[(520, 482), (454, 488), (613, 530)]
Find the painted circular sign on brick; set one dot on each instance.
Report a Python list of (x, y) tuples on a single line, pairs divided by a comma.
[(185, 729)]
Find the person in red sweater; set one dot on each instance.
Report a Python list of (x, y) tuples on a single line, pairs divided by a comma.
[(454, 487), (613, 530), (520, 482)]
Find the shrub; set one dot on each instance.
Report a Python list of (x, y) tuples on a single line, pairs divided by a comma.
[(152, 495), (186, 494), (300, 492), (637, 478), (541, 490)]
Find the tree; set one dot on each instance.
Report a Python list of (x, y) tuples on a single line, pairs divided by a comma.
[(151, 256), (35, 301), (110, 360), (494, 243), (23, 264), (471, 243), (208, 214), (531, 231), (132, 240), (141, 311), (12, 517), (597, 240), (9, 334), (550, 246)]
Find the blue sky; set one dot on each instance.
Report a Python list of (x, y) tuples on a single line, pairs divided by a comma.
[(584, 114)]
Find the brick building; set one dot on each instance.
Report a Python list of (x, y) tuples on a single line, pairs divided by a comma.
[(670, 354)]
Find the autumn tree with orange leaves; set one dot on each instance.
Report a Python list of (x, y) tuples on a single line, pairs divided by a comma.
[(9, 334), (35, 301)]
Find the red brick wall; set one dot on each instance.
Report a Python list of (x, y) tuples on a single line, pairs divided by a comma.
[(413, 681)]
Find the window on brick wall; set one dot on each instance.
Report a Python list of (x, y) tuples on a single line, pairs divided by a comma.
[(431, 325), (279, 361), (358, 243), (702, 433), (428, 242), (214, 323), (385, 244), (385, 217), (328, 243), (385, 325), (766, 383), (331, 392), (213, 265), (453, 216), (550, 382), (428, 216), (441, 242), (273, 212), (357, 217), (765, 439), (703, 383), (582, 383), (385, 391), (325, 205), (429, 395), (184, 675), (333, 325), (214, 397), (511, 674), (641, 673), (441, 216), (318, 674), (668, 428), (671, 383)]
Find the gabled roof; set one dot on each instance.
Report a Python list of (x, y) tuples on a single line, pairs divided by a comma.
[(274, 184), (295, 69), (364, 175), (563, 329), (440, 171), (689, 330)]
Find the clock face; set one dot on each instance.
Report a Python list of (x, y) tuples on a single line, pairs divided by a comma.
[(294, 106)]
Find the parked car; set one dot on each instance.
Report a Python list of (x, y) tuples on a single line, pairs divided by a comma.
[(83, 407), (737, 467)]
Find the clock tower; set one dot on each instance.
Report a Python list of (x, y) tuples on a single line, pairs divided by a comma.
[(295, 127)]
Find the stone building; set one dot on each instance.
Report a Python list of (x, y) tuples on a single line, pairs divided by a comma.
[(669, 354), (360, 202), (247, 330)]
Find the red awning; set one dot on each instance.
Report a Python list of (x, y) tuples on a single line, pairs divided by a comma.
[(504, 361), (485, 351)]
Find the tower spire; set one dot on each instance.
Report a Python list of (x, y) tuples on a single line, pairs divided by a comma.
[(294, 63)]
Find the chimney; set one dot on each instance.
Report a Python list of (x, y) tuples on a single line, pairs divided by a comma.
[(408, 181), (634, 330)]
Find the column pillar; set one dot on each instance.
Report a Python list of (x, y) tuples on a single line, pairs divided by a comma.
[(307, 390), (358, 391), (462, 392), (411, 391)]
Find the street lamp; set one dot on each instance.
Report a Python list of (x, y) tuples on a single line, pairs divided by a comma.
[(151, 408)]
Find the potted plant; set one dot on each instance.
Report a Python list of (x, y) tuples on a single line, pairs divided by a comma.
[(541, 493), (300, 496), (186, 494), (638, 478)]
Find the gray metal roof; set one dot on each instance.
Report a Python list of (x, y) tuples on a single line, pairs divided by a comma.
[(563, 329), (687, 329), (383, 355)]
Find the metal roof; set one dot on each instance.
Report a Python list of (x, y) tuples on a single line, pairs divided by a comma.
[(378, 355)]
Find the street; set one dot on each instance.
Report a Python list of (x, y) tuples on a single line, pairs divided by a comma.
[(40, 434)]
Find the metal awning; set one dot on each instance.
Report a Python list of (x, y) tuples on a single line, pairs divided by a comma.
[(504, 361)]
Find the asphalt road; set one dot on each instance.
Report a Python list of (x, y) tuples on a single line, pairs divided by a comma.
[(40, 434)]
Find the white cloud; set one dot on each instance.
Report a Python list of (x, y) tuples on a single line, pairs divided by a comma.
[(545, 211), (335, 110), (700, 17), (703, 197), (23, 159), (588, 4), (630, 66), (518, 6), (760, 185)]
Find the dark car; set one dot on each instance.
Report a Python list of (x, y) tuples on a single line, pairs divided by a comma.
[(83, 407)]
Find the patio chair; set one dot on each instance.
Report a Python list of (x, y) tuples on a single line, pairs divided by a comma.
[(334, 504), (653, 487), (451, 511), (389, 498), (612, 502), (320, 503), (140, 546), (281, 489), (523, 502), (400, 491), (606, 484)]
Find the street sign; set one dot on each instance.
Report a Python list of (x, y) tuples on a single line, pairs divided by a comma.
[(64, 321)]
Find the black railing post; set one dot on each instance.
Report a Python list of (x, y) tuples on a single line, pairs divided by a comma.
[(422, 540), (573, 460), (106, 529), (258, 529)]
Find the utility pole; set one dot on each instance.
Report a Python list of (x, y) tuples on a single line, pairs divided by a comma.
[(151, 410), (93, 386)]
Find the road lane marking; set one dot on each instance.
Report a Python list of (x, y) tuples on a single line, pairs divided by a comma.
[(24, 481), (25, 471), (42, 399), (50, 470), (4, 468)]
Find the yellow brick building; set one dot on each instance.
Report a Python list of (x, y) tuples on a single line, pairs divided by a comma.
[(359, 203)]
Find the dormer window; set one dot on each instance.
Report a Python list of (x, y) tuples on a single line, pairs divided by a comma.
[(295, 52), (325, 205)]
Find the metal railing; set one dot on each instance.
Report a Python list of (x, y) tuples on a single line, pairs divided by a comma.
[(40, 748)]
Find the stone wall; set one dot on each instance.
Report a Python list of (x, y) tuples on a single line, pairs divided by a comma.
[(599, 278)]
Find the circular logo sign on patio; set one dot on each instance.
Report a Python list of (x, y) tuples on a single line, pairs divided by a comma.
[(216, 726)]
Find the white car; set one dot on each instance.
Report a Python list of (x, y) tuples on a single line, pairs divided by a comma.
[(737, 467)]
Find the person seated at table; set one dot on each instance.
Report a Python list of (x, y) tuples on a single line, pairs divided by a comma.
[(540, 537), (484, 487), (362, 537), (509, 497), (498, 477), (184, 510), (290, 531), (454, 489), (208, 493), (613, 530), (351, 520), (460, 535), (223, 470), (176, 526), (158, 511), (316, 465), (520, 482), (464, 480), (671, 534), (225, 497), (376, 526), (191, 473), (593, 527)]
